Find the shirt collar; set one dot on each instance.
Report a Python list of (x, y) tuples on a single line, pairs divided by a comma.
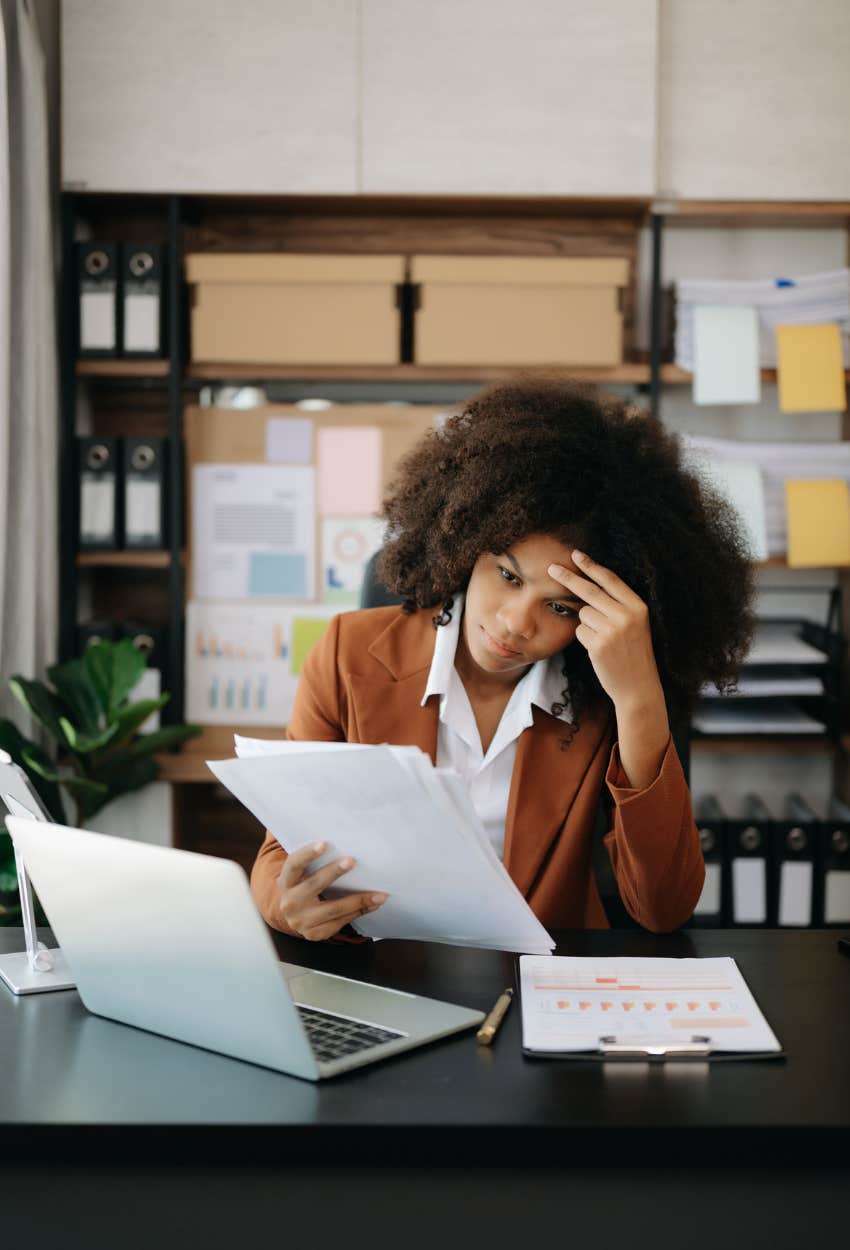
[(543, 685)]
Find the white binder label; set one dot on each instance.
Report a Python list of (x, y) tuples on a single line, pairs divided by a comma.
[(97, 320), (97, 509), (837, 898), (709, 900), (142, 503), (749, 891), (141, 323), (795, 893)]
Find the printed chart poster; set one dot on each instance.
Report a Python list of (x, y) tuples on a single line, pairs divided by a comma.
[(243, 660), (347, 545), (253, 531)]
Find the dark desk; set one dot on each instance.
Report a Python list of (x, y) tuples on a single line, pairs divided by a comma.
[(74, 1086)]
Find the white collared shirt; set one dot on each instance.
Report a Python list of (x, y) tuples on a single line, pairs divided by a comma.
[(487, 777)]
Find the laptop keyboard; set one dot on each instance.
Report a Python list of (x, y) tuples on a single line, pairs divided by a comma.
[(334, 1037)]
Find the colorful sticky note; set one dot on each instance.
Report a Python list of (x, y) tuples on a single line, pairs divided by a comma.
[(349, 470), (289, 440), (726, 355), (811, 368), (818, 522), (305, 631)]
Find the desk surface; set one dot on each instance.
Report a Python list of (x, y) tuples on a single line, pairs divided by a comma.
[(71, 1081)]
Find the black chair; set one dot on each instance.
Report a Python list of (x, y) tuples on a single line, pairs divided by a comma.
[(374, 594)]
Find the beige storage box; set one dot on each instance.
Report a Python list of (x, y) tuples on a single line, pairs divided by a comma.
[(515, 311), (261, 308)]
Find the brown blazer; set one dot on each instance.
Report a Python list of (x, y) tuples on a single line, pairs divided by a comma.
[(364, 682)]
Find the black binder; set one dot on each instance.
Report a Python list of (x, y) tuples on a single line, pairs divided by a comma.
[(99, 511), (143, 477), (91, 632), (834, 866), (98, 306), (794, 850), (149, 639), (748, 840), (142, 300), (712, 910)]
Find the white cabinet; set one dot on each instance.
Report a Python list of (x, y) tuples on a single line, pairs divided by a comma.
[(754, 99), (180, 96), (516, 97)]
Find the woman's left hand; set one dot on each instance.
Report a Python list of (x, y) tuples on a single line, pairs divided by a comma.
[(614, 629)]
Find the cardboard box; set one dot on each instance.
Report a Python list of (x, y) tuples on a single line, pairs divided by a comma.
[(519, 311), (260, 308)]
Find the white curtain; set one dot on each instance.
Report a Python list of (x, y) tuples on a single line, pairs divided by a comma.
[(28, 361)]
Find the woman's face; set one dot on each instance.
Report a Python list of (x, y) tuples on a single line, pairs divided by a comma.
[(515, 612)]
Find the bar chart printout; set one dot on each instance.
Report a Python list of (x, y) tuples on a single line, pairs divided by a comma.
[(569, 1004)]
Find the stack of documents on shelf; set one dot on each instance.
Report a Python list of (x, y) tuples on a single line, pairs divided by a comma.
[(411, 829), (756, 717), (777, 462), (810, 299), (778, 642), (769, 685), (652, 1008)]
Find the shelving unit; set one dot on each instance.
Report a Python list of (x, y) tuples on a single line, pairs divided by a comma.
[(463, 225)]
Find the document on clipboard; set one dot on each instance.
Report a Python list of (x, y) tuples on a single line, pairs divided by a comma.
[(646, 1009)]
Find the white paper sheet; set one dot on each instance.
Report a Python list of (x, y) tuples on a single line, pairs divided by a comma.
[(741, 484), (253, 531), (568, 1004), (373, 804), (347, 545), (726, 355)]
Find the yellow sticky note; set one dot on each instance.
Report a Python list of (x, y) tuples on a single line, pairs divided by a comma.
[(811, 368), (818, 522), (305, 631)]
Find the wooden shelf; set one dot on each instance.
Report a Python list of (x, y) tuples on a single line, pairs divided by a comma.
[(672, 375), (188, 766), (123, 559), (800, 213), (122, 368), (635, 374)]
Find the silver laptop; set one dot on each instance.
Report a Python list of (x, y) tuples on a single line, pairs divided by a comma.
[(171, 941)]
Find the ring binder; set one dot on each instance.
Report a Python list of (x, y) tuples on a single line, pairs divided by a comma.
[(749, 855), (141, 300), (97, 281), (834, 865), (98, 524), (713, 905), (794, 845)]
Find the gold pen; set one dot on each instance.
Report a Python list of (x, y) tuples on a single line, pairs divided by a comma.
[(488, 1029)]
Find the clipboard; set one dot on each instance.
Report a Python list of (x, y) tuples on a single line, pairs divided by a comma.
[(645, 1010)]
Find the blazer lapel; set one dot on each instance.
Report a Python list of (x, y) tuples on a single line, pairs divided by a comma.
[(390, 710), (544, 785)]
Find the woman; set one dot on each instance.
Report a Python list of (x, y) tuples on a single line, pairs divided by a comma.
[(568, 588)]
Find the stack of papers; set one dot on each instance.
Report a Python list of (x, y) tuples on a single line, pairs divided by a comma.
[(777, 642), (721, 460), (410, 827), (810, 299)]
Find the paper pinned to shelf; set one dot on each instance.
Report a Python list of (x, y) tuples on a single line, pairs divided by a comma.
[(410, 828), (726, 355), (818, 522), (810, 368), (741, 484)]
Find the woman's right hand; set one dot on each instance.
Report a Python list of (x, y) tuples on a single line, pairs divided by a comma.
[(301, 909)]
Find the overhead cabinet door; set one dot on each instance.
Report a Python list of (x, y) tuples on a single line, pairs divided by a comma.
[(521, 97), (212, 97)]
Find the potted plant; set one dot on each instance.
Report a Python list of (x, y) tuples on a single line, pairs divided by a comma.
[(87, 712)]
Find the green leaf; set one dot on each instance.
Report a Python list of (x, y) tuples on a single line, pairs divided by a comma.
[(71, 781), (8, 872), (74, 684), (114, 669), (162, 740), (41, 703), (13, 741), (132, 717), (80, 744)]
